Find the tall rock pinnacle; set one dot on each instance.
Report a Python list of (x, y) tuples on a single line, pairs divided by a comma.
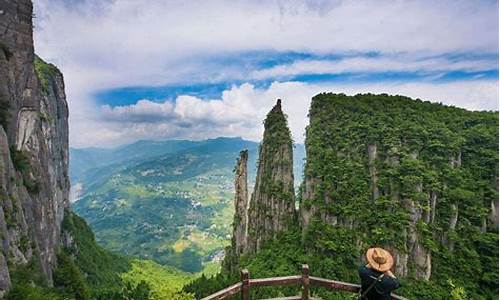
[(272, 205), (240, 222)]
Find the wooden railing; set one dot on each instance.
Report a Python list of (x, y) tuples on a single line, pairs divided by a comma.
[(243, 287)]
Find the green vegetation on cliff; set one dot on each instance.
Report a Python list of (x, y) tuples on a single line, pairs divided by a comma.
[(435, 179), (272, 205), (84, 271), (45, 72), (277, 140), (416, 177)]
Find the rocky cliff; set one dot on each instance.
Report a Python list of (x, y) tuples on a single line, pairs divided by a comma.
[(272, 205), (415, 177), (34, 183), (412, 176), (240, 221), (240, 224)]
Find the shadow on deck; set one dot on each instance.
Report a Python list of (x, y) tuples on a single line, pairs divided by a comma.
[(304, 280)]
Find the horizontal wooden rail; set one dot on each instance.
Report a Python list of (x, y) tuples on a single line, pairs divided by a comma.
[(335, 285), (303, 280), (225, 293), (343, 286), (291, 298), (287, 280), (285, 298)]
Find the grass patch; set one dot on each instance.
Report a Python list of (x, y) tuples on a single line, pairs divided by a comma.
[(157, 277), (44, 71), (180, 245)]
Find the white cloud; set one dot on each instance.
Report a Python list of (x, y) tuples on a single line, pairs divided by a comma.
[(241, 110), (395, 63), (117, 43), (101, 45), (143, 111)]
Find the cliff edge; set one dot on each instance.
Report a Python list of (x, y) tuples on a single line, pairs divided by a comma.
[(34, 182)]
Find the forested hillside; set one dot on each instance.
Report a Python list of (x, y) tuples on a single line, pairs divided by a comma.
[(87, 271), (418, 178), (106, 275)]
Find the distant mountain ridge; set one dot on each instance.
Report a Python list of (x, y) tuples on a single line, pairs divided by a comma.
[(93, 161), (84, 159)]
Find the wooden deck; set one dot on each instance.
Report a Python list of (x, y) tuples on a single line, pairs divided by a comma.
[(304, 280)]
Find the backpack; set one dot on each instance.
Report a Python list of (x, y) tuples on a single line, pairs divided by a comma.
[(362, 296)]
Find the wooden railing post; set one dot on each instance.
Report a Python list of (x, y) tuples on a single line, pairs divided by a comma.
[(245, 279), (305, 282)]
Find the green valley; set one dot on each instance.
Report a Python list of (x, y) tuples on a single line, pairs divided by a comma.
[(169, 201)]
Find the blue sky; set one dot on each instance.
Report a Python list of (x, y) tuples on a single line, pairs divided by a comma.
[(201, 69), (483, 66)]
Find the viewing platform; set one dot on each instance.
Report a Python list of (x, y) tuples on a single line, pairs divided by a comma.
[(304, 280)]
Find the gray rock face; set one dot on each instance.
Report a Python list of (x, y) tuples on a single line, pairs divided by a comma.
[(373, 160), (372, 157), (272, 205), (306, 210), (493, 218), (240, 224), (418, 254), (240, 221), (414, 252), (34, 182), (493, 215)]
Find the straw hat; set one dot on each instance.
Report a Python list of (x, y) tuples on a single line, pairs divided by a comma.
[(379, 259)]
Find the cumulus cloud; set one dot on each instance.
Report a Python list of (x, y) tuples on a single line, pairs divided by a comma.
[(143, 111), (241, 110)]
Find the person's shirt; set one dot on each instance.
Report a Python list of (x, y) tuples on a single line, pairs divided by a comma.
[(382, 290)]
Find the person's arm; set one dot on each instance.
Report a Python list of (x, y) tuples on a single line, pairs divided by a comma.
[(395, 281), (363, 273), (390, 274), (397, 284)]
